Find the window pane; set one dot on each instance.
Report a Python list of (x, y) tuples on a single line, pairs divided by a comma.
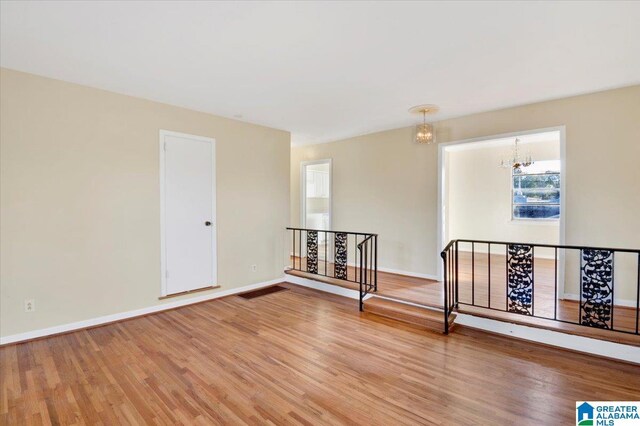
[(537, 196), (536, 181), (546, 166), (536, 191), (536, 212)]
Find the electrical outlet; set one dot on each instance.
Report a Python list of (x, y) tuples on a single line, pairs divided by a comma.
[(29, 305), (254, 268)]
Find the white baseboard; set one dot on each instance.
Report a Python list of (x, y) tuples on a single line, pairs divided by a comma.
[(327, 288), (572, 342), (64, 328), (618, 302)]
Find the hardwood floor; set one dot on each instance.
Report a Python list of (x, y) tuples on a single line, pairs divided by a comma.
[(410, 289), (296, 357), (429, 293)]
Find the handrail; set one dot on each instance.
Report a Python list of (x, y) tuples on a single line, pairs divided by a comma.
[(597, 305), (560, 246), (366, 239), (365, 272), (330, 231), (448, 246)]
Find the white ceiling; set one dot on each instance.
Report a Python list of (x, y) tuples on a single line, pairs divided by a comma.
[(330, 70)]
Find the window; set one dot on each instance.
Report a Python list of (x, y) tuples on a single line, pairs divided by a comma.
[(536, 191)]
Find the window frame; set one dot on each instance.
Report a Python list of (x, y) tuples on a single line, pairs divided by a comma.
[(535, 219)]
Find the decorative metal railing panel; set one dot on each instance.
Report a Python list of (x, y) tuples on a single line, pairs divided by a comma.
[(520, 278), (526, 279), (596, 298), (313, 253), (341, 256)]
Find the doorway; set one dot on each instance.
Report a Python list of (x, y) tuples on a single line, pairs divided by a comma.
[(480, 200), (188, 212), (315, 195)]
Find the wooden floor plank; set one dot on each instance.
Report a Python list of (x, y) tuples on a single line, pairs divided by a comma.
[(296, 357), (429, 293)]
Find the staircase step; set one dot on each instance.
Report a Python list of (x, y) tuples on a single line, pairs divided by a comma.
[(321, 278), (415, 315)]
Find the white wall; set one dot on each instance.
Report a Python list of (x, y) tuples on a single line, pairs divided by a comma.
[(382, 183)]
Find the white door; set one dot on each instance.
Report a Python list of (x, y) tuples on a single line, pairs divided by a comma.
[(187, 165)]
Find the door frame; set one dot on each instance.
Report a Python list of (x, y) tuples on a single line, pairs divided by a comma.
[(442, 200), (303, 190), (214, 228)]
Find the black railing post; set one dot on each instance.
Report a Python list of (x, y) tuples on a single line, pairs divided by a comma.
[(355, 257), (638, 297), (613, 286), (555, 283), (375, 265), (580, 288), (360, 267), (445, 291), (370, 264), (506, 277), (326, 259), (533, 280), (473, 273), (489, 275), (366, 263), (456, 281)]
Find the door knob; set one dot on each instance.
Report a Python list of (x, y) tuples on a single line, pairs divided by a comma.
[(207, 223)]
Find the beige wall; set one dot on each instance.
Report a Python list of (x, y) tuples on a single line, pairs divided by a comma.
[(381, 183), (386, 183), (80, 219), (479, 196)]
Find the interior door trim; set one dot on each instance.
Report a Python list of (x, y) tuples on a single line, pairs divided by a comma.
[(163, 247)]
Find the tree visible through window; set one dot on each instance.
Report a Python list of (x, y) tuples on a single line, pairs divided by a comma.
[(536, 191)]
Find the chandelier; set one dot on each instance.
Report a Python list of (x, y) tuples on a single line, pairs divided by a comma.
[(425, 133), (516, 161)]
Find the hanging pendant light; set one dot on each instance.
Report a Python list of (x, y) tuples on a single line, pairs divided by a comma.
[(516, 162), (424, 133)]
